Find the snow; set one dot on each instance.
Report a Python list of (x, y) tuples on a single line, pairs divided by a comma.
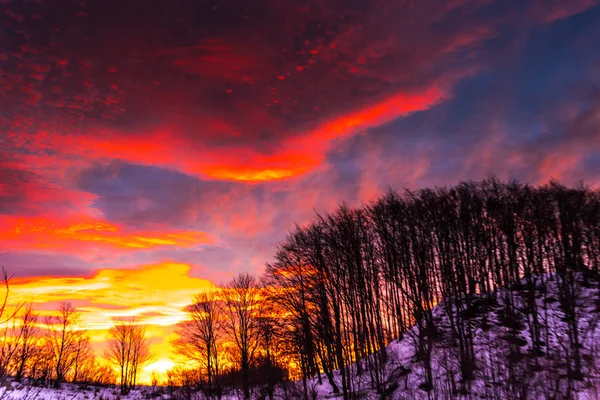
[(15, 391), (77, 392)]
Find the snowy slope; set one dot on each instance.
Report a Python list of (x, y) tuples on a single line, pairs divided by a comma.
[(405, 373)]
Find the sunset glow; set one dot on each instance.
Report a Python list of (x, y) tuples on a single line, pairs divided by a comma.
[(153, 294), (150, 152), (40, 233)]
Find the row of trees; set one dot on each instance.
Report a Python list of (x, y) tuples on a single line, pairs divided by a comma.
[(352, 281), (229, 338), (54, 349), (344, 286), (57, 348)]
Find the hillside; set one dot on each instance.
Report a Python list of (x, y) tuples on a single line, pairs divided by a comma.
[(533, 377)]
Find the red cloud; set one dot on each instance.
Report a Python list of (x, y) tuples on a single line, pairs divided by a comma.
[(294, 156), (257, 99)]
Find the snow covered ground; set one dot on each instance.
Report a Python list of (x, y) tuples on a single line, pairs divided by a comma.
[(68, 391), (77, 392)]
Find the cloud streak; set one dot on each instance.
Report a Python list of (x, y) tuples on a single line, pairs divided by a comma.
[(31, 233)]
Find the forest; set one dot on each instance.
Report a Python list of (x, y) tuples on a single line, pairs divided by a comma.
[(345, 286)]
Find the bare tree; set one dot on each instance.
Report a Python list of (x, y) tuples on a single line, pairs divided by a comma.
[(64, 334), (8, 344), (242, 298), (84, 355), (29, 335), (142, 355), (129, 350), (119, 350), (200, 335)]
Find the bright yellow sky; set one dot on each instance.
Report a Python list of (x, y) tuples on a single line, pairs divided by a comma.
[(154, 294)]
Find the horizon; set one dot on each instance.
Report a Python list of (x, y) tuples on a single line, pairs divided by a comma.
[(152, 152)]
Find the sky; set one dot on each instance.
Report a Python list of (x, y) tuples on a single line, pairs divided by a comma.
[(152, 149)]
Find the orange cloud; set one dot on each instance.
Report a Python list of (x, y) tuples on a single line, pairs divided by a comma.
[(42, 233), (154, 293)]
